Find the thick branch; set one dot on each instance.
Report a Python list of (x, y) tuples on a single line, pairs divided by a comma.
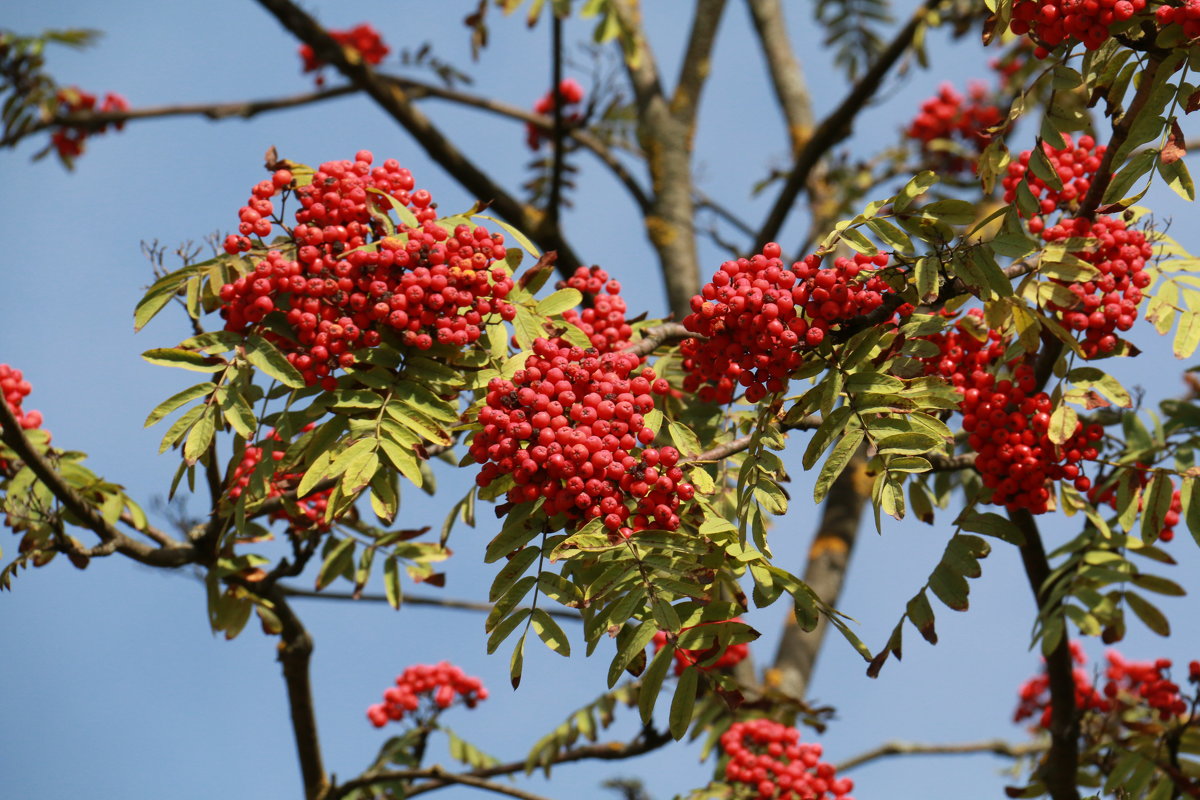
[(175, 554), (654, 338), (697, 61), (395, 101), (997, 747), (836, 127), (295, 656), (787, 79), (1062, 759)]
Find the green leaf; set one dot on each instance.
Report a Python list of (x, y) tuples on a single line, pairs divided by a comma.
[(201, 437), (684, 702), (914, 189), (684, 439), (1156, 505), (632, 647), (1063, 422), (173, 402), (559, 302), (403, 212), (512, 571), (840, 456), (269, 360), (1187, 336), (1178, 178), (185, 359), (920, 613), (1128, 175), (1040, 166), (515, 533), (339, 558), (517, 663), (519, 237), (1148, 613), (550, 632), (391, 582), (652, 681), (912, 443), (990, 524), (506, 627), (771, 497)]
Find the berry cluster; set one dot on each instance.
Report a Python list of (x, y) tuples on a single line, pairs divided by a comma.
[(1034, 693), (68, 141), (1109, 302), (337, 296), (757, 315), (571, 93), (1186, 15), (604, 322), (15, 389), (566, 427), (311, 508), (967, 351), (1106, 493), (1008, 426), (729, 656), (1052, 22), (1129, 686), (1075, 163), (769, 758), (439, 684), (363, 38), (947, 116)]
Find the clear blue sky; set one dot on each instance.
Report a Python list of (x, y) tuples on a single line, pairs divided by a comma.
[(112, 685)]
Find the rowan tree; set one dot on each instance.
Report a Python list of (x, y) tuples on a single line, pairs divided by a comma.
[(939, 338)]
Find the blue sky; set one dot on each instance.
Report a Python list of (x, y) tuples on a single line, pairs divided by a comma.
[(112, 684)]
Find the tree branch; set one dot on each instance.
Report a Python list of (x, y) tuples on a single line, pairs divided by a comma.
[(697, 61), (175, 554), (997, 747), (1058, 768), (295, 656), (395, 101), (604, 751), (787, 78), (659, 335), (836, 127), (438, 602)]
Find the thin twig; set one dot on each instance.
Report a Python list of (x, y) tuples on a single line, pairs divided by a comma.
[(997, 747), (438, 602)]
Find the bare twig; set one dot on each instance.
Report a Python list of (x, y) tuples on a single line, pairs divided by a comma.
[(174, 554), (654, 338), (997, 747), (438, 602)]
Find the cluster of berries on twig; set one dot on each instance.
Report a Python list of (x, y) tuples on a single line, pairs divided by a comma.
[(436, 686), (604, 320), (1129, 686), (570, 427), (363, 38), (571, 94), (1051, 22), (308, 512), (68, 140), (1106, 493), (757, 316), (425, 284), (726, 657), (770, 759), (948, 117), (1076, 164)]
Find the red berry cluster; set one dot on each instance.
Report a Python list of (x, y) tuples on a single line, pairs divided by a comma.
[(337, 296), (68, 141), (1129, 685), (604, 322), (757, 315), (948, 116), (311, 507), (1106, 493), (1052, 22), (967, 350), (363, 38), (769, 758), (439, 683), (571, 93), (730, 656), (15, 389), (1145, 682), (566, 428), (1109, 302), (1008, 426), (1034, 694), (1186, 15), (1075, 165)]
